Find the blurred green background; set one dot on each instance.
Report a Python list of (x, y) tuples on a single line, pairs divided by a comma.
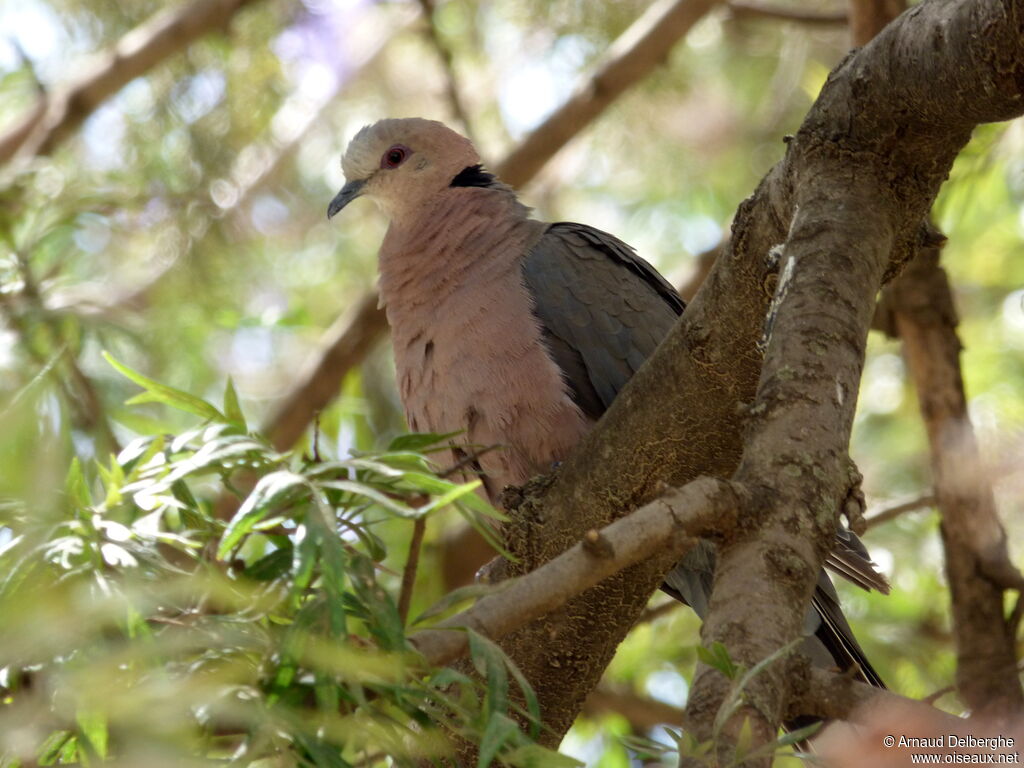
[(183, 229)]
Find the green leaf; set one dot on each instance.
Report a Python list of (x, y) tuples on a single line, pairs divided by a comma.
[(304, 561), (458, 596), (76, 486), (366, 491), (500, 728), (271, 566), (114, 478), (645, 747), (93, 732), (424, 483), (405, 461), (232, 409), (323, 756), (161, 393), (227, 451), (734, 699), (744, 739), (379, 467), (490, 663), (333, 562), (269, 491), (385, 624), (418, 441), (534, 755), (483, 528), (52, 746), (800, 734), (452, 495), (717, 657)]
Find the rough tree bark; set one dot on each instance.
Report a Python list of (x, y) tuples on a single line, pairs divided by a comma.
[(851, 192)]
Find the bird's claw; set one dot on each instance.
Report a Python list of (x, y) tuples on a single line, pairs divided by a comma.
[(854, 503)]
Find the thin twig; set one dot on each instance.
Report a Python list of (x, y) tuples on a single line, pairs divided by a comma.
[(77, 389), (419, 526), (652, 614), (934, 696), (444, 53), (978, 565), (466, 460), (316, 437), (886, 514), (748, 10)]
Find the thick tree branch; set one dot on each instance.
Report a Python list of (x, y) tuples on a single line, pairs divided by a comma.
[(870, 158), (163, 35), (704, 508), (978, 564), (348, 341), (642, 713), (641, 48), (837, 696), (444, 55), (854, 187)]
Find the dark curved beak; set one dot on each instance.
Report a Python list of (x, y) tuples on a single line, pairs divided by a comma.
[(348, 193)]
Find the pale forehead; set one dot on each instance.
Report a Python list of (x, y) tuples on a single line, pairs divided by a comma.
[(364, 151)]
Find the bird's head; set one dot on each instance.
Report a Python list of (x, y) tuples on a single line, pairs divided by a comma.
[(401, 164)]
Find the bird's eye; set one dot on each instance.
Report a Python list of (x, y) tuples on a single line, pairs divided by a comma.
[(394, 157)]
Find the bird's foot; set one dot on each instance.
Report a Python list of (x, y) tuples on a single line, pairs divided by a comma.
[(854, 503)]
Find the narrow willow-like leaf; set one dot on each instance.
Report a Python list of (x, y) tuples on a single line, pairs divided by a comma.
[(76, 486), (270, 567), (490, 663), (232, 410), (456, 598), (268, 492), (452, 495), (162, 393), (418, 441), (500, 729)]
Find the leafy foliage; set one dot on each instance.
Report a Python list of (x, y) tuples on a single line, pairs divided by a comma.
[(271, 636)]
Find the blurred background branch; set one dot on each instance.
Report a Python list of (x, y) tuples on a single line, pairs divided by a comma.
[(60, 112)]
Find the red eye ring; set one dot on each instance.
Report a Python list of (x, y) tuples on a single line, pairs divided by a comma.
[(394, 157)]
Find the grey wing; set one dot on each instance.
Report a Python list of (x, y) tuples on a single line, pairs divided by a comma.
[(602, 309)]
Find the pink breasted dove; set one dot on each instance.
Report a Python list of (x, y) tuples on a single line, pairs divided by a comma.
[(521, 333)]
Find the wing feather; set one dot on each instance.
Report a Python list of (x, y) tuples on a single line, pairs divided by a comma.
[(603, 309)]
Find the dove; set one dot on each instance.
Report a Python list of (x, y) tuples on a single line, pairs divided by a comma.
[(519, 333)]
